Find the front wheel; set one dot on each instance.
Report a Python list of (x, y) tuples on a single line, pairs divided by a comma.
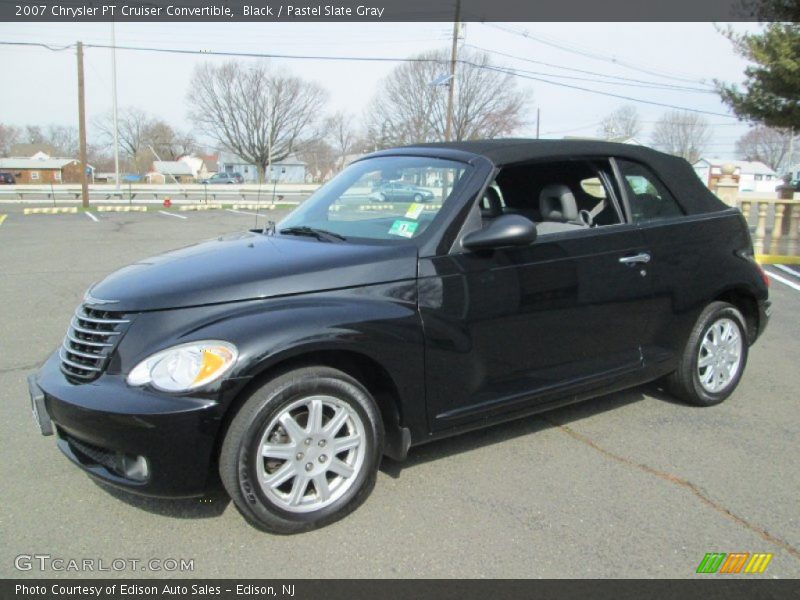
[(303, 451), (714, 357)]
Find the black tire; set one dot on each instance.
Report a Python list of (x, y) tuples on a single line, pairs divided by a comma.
[(685, 382), (239, 472), (417, 197)]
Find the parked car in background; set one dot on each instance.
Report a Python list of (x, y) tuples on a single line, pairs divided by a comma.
[(224, 178), (396, 191), (290, 359), (7, 179)]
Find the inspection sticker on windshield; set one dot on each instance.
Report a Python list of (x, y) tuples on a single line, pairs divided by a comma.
[(414, 211), (403, 228)]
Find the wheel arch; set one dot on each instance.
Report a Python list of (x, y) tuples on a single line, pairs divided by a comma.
[(365, 369), (745, 301)]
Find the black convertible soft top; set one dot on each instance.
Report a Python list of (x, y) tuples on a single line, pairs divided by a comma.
[(676, 173)]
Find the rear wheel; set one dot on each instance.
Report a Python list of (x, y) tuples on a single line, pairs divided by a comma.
[(303, 451), (714, 358)]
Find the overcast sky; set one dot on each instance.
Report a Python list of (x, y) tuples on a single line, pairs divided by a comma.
[(40, 85)]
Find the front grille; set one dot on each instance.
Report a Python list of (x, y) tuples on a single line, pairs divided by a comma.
[(91, 339)]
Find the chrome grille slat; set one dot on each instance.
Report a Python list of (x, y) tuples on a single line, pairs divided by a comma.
[(75, 365), (86, 359), (79, 353), (88, 342), (92, 331), (100, 321)]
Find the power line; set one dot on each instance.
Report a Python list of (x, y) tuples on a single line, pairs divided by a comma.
[(505, 70), (592, 55), (594, 73)]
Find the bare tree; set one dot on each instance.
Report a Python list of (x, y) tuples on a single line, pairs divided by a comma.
[(34, 135), (410, 109), (256, 112), (770, 146), (63, 139), (133, 124), (320, 157), (683, 134), (623, 123), (167, 142), (342, 135), (9, 135)]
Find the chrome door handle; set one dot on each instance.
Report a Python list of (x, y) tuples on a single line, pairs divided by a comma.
[(642, 257)]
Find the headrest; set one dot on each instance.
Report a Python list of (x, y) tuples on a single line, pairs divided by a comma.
[(493, 204), (556, 203)]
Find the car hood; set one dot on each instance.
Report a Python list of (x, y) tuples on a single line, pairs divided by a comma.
[(247, 266)]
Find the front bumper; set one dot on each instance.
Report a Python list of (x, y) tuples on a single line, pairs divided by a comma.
[(105, 426)]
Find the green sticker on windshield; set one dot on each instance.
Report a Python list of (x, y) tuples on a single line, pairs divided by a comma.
[(403, 228)]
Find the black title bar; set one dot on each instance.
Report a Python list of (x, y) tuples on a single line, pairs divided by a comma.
[(381, 10)]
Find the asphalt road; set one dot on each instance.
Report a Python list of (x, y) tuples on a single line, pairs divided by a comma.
[(629, 485)]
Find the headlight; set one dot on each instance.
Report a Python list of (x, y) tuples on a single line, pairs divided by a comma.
[(185, 367)]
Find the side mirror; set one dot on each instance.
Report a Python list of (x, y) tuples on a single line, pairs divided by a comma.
[(505, 230)]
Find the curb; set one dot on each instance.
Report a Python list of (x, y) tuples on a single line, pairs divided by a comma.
[(200, 207), (777, 259), (50, 211), (112, 208), (262, 206)]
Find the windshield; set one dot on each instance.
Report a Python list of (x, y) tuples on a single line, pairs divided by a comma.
[(385, 198)]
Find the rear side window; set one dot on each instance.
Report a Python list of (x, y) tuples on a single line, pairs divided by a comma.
[(648, 198)]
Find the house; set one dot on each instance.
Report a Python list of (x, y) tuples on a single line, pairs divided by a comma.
[(289, 170), (751, 175), (170, 171), (42, 169), (203, 166)]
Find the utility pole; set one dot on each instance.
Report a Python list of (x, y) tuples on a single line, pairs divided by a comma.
[(82, 128), (114, 101), (538, 117), (448, 130)]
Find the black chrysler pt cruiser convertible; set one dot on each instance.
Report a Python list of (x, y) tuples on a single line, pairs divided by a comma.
[(531, 274)]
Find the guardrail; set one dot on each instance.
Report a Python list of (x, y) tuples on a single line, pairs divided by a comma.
[(140, 192), (776, 227)]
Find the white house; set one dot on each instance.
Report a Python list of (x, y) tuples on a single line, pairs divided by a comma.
[(288, 170), (752, 175), (203, 166)]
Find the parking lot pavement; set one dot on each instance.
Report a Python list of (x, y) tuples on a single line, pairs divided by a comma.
[(630, 485)]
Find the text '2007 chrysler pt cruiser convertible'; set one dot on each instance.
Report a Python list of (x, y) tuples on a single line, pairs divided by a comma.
[(531, 274)]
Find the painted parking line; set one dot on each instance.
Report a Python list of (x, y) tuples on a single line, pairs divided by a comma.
[(244, 212), (788, 270), (92, 217), (2, 218), (163, 212), (783, 280)]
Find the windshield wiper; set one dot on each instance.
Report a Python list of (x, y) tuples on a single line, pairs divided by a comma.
[(320, 234)]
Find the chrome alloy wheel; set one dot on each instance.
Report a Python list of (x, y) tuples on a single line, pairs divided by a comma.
[(720, 356), (311, 453)]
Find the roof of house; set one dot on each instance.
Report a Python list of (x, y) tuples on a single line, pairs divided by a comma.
[(172, 167), (745, 166), (35, 163), (29, 150)]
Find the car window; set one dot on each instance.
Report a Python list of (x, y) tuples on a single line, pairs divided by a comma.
[(559, 196), (382, 198), (649, 199)]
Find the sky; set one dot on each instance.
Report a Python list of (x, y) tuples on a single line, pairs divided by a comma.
[(43, 89)]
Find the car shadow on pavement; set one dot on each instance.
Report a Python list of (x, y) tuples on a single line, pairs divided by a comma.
[(496, 434), (213, 504)]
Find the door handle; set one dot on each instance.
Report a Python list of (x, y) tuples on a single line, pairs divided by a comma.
[(642, 257)]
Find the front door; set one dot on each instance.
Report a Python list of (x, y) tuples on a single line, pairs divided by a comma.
[(515, 327)]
